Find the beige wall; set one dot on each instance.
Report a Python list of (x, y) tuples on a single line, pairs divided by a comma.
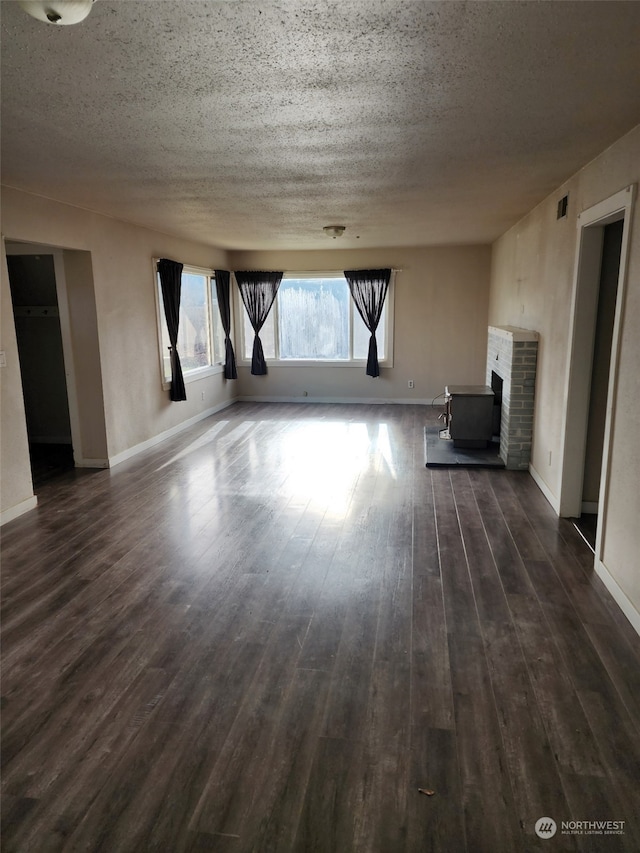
[(84, 341), (16, 491), (441, 303), (531, 286), (136, 407)]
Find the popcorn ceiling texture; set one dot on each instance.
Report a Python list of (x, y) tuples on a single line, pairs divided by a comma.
[(250, 124)]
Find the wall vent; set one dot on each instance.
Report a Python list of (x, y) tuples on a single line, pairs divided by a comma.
[(562, 207)]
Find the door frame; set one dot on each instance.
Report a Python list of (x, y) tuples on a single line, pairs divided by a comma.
[(584, 307)]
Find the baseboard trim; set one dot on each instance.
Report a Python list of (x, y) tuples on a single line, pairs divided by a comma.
[(91, 463), (19, 509), (169, 433), (544, 488), (619, 595), (366, 401)]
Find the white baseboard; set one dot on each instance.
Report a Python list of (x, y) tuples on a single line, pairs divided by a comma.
[(587, 506), (18, 510), (544, 488), (367, 401), (91, 463), (620, 597), (158, 439), (618, 594)]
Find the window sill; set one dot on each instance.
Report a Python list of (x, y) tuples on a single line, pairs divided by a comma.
[(195, 375), (309, 363)]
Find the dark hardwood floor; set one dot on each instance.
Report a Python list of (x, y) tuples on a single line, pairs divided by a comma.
[(268, 633)]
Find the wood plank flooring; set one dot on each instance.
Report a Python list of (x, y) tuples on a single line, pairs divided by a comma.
[(269, 632)]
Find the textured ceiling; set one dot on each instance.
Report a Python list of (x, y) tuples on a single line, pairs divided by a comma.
[(252, 123)]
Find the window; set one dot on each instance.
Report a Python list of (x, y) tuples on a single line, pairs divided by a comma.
[(313, 319), (200, 334)]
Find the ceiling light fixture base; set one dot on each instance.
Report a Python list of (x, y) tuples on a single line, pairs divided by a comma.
[(334, 230), (59, 12)]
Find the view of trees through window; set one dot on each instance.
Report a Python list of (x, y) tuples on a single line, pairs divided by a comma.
[(200, 332), (193, 332), (315, 320)]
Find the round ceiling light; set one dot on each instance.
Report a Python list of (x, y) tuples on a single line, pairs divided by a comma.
[(334, 230), (63, 12)]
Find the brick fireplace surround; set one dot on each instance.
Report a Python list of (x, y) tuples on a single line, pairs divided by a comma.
[(512, 354)]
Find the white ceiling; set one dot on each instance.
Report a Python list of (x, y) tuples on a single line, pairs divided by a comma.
[(252, 123)]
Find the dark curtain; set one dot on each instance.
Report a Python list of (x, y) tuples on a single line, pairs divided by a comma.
[(223, 278), (258, 290), (170, 273), (368, 290)]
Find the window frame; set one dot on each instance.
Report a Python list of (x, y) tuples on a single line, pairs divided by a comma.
[(276, 362), (217, 365)]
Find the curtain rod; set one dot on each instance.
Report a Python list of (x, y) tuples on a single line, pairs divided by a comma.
[(320, 272), (393, 269)]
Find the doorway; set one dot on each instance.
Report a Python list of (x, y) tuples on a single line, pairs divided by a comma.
[(34, 296), (598, 299), (607, 293)]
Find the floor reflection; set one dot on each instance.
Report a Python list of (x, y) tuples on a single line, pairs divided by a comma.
[(324, 461), (315, 463)]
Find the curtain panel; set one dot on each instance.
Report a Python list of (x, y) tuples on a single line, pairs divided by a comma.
[(368, 291), (170, 273), (258, 290), (223, 280)]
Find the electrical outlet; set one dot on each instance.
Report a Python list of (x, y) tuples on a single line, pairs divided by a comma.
[(410, 383)]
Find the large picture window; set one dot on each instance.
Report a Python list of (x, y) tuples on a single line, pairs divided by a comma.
[(200, 333), (313, 319)]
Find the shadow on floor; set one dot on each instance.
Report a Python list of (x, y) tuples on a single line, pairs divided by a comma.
[(49, 461)]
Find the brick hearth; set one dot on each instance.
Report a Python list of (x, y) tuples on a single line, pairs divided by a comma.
[(512, 354)]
